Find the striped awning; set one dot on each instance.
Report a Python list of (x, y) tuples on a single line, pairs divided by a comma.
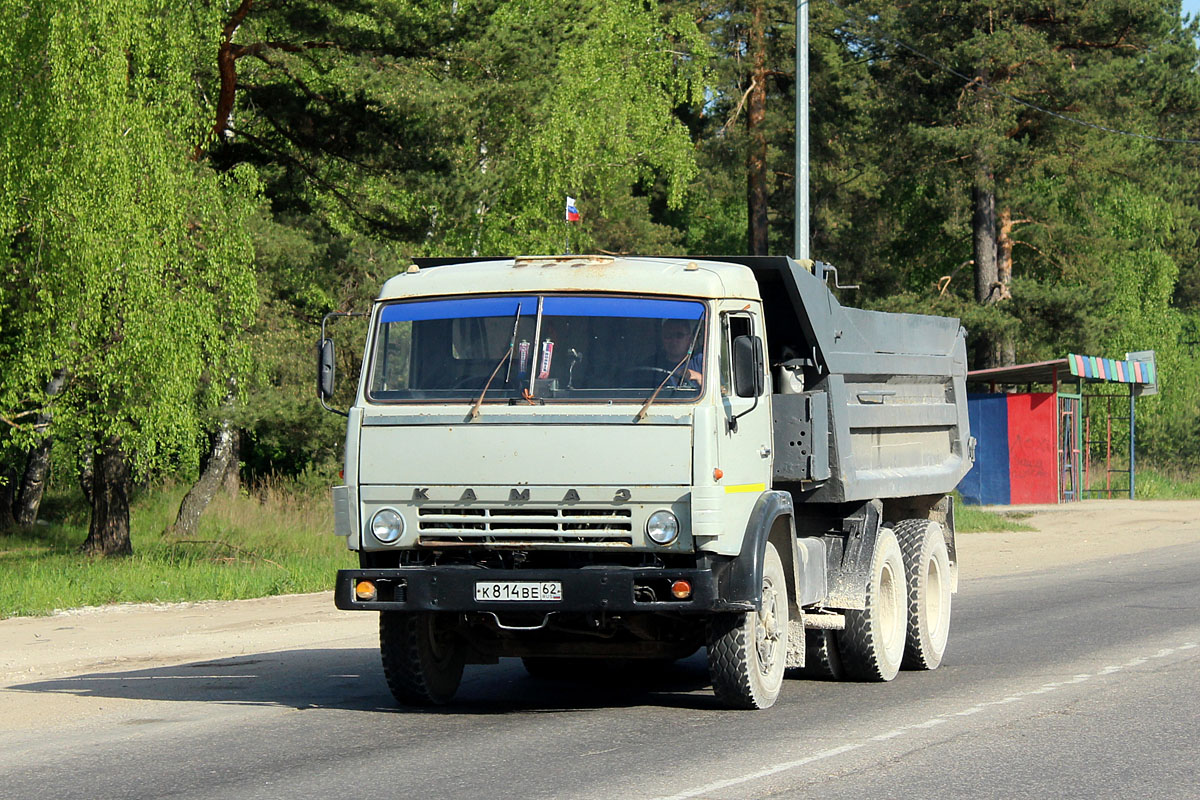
[(1106, 369), (1088, 368)]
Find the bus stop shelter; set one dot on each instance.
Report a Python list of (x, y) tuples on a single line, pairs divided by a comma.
[(1037, 428)]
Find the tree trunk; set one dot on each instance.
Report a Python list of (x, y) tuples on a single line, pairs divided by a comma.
[(756, 115), (108, 533), (983, 231), (983, 235), (37, 466), (1004, 267), (232, 483), (33, 484), (85, 476), (199, 496), (1004, 248), (8, 492)]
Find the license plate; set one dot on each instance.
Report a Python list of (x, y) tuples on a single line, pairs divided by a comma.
[(502, 591)]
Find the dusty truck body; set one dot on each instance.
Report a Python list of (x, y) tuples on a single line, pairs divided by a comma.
[(570, 458)]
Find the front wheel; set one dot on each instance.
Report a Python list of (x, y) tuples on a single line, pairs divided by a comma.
[(872, 644), (747, 652), (927, 573), (422, 655)]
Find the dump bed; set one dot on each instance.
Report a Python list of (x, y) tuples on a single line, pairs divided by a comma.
[(885, 392)]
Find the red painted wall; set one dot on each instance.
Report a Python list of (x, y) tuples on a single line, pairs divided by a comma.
[(1033, 447)]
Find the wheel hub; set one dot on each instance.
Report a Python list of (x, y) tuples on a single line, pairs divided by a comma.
[(767, 631)]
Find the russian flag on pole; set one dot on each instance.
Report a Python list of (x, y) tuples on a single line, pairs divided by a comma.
[(572, 211)]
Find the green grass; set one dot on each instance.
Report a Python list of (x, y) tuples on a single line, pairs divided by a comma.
[(1166, 484), (972, 519), (274, 542)]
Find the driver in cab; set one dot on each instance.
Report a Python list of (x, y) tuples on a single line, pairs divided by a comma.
[(677, 337)]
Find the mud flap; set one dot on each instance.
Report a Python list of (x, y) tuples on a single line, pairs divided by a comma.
[(742, 581), (850, 563)]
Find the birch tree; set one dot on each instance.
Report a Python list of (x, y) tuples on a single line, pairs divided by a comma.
[(128, 262)]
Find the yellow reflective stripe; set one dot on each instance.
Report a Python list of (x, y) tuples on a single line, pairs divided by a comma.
[(746, 487)]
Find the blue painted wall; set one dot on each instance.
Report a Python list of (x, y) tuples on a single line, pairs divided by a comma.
[(988, 481)]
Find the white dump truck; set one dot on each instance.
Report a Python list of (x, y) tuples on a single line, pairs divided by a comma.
[(587, 459)]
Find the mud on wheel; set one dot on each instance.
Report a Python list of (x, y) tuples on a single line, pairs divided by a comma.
[(928, 579), (872, 644), (747, 652), (423, 657)]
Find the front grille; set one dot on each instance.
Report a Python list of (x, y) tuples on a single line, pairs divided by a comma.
[(500, 526)]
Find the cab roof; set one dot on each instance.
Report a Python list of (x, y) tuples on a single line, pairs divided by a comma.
[(686, 277)]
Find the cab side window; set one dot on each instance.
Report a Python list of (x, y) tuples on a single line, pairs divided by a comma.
[(733, 325)]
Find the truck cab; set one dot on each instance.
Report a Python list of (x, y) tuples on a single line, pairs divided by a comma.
[(588, 457)]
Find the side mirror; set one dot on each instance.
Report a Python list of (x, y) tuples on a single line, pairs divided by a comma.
[(748, 366), (325, 369)]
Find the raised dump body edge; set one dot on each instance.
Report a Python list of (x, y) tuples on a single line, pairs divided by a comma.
[(894, 389)]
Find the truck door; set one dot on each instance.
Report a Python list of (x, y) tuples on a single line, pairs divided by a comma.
[(744, 446)]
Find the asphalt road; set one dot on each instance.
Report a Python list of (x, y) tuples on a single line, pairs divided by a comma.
[(1077, 682)]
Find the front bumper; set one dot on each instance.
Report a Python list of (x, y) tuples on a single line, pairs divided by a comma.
[(584, 590)]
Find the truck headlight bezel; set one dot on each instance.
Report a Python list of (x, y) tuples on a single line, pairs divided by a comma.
[(387, 525), (662, 527)]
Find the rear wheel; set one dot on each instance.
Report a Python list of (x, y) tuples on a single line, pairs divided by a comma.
[(822, 661), (423, 656), (747, 652), (872, 644), (927, 575)]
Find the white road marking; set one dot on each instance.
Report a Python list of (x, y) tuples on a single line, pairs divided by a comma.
[(764, 773), (717, 786)]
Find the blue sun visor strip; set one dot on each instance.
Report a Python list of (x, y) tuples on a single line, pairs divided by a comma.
[(459, 308)]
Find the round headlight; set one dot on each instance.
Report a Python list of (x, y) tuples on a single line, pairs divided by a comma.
[(387, 525), (662, 527)]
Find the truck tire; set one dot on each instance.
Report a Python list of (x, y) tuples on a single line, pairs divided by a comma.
[(872, 644), (927, 574), (747, 652), (822, 661), (422, 658)]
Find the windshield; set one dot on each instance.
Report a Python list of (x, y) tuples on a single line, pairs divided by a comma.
[(542, 347)]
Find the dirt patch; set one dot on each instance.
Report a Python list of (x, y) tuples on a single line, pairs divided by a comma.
[(1077, 532), (118, 638)]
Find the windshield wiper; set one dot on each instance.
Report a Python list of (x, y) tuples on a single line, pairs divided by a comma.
[(641, 415), (512, 344)]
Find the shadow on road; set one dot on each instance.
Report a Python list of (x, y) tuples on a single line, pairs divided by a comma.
[(352, 679)]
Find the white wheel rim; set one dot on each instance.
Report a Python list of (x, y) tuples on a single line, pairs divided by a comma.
[(937, 604), (766, 630), (891, 608)]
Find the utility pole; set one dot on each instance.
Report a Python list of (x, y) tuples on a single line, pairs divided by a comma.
[(801, 233)]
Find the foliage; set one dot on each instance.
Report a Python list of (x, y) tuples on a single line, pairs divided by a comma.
[(1104, 223), (462, 135), (461, 128), (136, 253), (127, 262), (392, 129), (1167, 484)]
